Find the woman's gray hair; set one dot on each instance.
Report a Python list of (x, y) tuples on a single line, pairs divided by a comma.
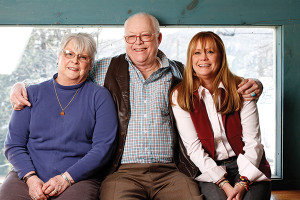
[(82, 41), (142, 14)]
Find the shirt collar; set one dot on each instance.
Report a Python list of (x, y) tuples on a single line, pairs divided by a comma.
[(202, 90)]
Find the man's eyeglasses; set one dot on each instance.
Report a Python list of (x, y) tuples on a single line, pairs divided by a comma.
[(70, 55), (146, 37)]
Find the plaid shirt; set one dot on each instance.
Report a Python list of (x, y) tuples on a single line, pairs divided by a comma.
[(149, 138)]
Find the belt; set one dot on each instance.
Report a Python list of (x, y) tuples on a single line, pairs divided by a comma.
[(228, 160)]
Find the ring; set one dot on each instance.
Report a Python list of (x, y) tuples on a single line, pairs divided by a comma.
[(34, 198), (253, 94), (55, 191)]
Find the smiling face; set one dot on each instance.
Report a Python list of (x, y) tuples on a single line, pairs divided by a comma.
[(142, 53), (206, 61), (72, 71)]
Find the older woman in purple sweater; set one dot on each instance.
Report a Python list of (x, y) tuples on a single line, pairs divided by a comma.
[(59, 145)]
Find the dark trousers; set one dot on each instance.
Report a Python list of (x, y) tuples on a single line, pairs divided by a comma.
[(15, 189), (258, 191), (149, 182)]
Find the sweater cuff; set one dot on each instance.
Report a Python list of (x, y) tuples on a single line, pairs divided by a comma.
[(23, 172)]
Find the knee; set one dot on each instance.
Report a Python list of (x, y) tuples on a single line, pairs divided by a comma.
[(83, 190), (13, 188)]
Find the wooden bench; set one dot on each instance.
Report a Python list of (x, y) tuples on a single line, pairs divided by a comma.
[(285, 195)]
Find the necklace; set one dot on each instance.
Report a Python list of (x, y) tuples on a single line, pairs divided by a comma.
[(63, 109)]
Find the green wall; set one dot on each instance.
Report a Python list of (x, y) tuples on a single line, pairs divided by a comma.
[(282, 13)]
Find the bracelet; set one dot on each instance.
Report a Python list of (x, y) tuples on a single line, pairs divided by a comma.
[(222, 183), (25, 179), (66, 178), (244, 184), (245, 179)]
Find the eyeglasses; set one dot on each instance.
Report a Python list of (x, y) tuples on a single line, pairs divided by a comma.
[(146, 37), (70, 55)]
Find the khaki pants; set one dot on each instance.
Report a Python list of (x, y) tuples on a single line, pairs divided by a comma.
[(149, 182), (15, 189)]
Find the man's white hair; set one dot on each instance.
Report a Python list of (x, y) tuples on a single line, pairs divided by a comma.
[(142, 14)]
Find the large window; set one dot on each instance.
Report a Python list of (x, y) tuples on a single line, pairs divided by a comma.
[(30, 53)]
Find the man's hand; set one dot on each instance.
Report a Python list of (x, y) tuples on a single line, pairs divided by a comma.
[(35, 185), (250, 89), (18, 96)]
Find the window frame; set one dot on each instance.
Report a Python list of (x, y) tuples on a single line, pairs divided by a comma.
[(278, 83)]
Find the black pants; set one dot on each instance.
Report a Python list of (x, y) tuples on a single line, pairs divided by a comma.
[(258, 191)]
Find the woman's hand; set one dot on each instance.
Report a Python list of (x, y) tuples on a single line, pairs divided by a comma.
[(235, 193), (35, 185), (229, 191), (18, 96), (55, 186), (249, 87)]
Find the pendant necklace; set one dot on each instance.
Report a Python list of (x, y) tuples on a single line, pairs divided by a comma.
[(63, 109)]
